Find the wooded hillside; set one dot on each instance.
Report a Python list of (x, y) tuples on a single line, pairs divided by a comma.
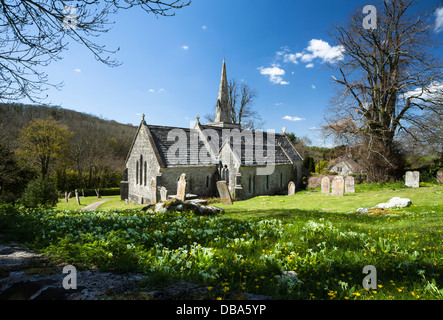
[(95, 157)]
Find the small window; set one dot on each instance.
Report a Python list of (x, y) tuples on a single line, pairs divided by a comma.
[(267, 182), (207, 181), (136, 173), (250, 184), (281, 179), (145, 168)]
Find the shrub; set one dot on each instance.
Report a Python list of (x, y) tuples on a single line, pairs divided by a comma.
[(40, 192)]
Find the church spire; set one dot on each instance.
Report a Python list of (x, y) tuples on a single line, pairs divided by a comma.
[(223, 112)]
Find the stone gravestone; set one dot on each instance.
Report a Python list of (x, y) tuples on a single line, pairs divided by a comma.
[(291, 188), (440, 176), (412, 179), (181, 188), (223, 190), (349, 184), (153, 187), (163, 194), (325, 185), (77, 197), (338, 186)]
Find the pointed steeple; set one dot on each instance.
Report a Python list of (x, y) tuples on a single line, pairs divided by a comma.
[(223, 112), (223, 118)]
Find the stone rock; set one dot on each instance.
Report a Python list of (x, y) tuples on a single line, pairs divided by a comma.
[(395, 202), (440, 176), (176, 205)]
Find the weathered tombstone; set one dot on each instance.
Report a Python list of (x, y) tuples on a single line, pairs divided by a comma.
[(291, 188), (440, 176), (338, 186), (163, 194), (77, 197), (153, 187), (325, 185), (66, 196), (349, 184), (223, 190), (412, 179), (181, 188)]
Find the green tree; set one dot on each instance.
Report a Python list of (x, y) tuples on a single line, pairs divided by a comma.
[(43, 143), (40, 192)]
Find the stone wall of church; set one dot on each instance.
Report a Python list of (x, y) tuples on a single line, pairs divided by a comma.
[(201, 181), (142, 167), (256, 185)]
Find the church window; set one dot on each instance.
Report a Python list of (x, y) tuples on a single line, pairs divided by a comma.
[(267, 182), (136, 173), (207, 181), (141, 170), (145, 168), (281, 179)]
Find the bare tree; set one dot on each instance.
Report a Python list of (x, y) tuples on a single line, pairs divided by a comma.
[(35, 33), (241, 98), (388, 79)]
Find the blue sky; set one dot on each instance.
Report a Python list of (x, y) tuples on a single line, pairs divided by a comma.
[(171, 66)]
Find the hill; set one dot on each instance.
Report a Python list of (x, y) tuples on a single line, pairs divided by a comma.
[(97, 151)]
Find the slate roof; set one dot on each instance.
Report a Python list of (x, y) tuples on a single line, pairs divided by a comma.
[(285, 153)]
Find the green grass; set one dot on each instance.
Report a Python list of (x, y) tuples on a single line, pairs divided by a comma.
[(114, 203), (249, 248)]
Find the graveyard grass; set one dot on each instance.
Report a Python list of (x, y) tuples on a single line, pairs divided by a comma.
[(249, 248)]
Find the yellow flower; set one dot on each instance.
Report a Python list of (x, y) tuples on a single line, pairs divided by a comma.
[(219, 298), (356, 294)]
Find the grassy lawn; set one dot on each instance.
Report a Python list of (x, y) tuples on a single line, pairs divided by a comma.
[(114, 203), (249, 248)]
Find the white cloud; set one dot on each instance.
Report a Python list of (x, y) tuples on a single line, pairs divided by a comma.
[(77, 70), (313, 86), (151, 90), (204, 27), (433, 91), (278, 104), (161, 90), (275, 74), (317, 49), (185, 47), (439, 19), (293, 118), (324, 51)]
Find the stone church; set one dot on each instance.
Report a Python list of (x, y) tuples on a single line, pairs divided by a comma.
[(252, 162)]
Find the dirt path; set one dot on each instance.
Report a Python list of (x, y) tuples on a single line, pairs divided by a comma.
[(95, 205)]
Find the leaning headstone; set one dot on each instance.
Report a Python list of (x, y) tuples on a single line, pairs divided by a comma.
[(412, 179), (223, 190), (181, 187), (163, 194), (338, 186), (291, 188), (325, 185), (77, 197), (349, 184), (440, 176)]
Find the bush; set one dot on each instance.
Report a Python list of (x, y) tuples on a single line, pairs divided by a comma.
[(40, 192)]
